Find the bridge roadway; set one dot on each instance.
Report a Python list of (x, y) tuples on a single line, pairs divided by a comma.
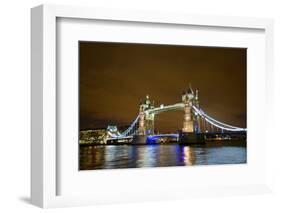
[(149, 136), (139, 139), (204, 136)]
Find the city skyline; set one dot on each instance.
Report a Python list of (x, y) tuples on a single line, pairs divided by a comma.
[(115, 77)]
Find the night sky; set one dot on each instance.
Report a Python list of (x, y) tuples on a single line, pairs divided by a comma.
[(114, 77)]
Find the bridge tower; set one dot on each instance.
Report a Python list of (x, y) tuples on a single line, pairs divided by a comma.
[(187, 99), (197, 124), (146, 121), (141, 129)]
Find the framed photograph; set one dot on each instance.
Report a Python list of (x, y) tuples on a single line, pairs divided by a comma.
[(130, 106)]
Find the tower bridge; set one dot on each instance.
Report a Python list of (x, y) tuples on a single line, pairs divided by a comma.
[(196, 122)]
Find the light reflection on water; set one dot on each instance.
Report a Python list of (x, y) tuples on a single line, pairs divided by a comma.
[(138, 156)]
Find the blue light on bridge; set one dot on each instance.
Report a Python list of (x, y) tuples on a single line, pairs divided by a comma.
[(154, 139)]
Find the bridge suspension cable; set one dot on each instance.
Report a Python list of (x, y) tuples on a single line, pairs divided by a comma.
[(224, 128), (131, 129), (215, 122)]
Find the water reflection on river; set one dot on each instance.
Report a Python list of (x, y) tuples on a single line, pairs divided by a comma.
[(137, 156)]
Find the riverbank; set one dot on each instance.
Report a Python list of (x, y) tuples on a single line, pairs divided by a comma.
[(234, 142)]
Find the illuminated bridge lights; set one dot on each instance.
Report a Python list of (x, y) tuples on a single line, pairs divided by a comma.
[(133, 128)]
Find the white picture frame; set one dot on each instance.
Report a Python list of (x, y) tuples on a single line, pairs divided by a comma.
[(44, 149)]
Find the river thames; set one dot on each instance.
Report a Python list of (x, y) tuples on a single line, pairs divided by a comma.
[(160, 155)]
